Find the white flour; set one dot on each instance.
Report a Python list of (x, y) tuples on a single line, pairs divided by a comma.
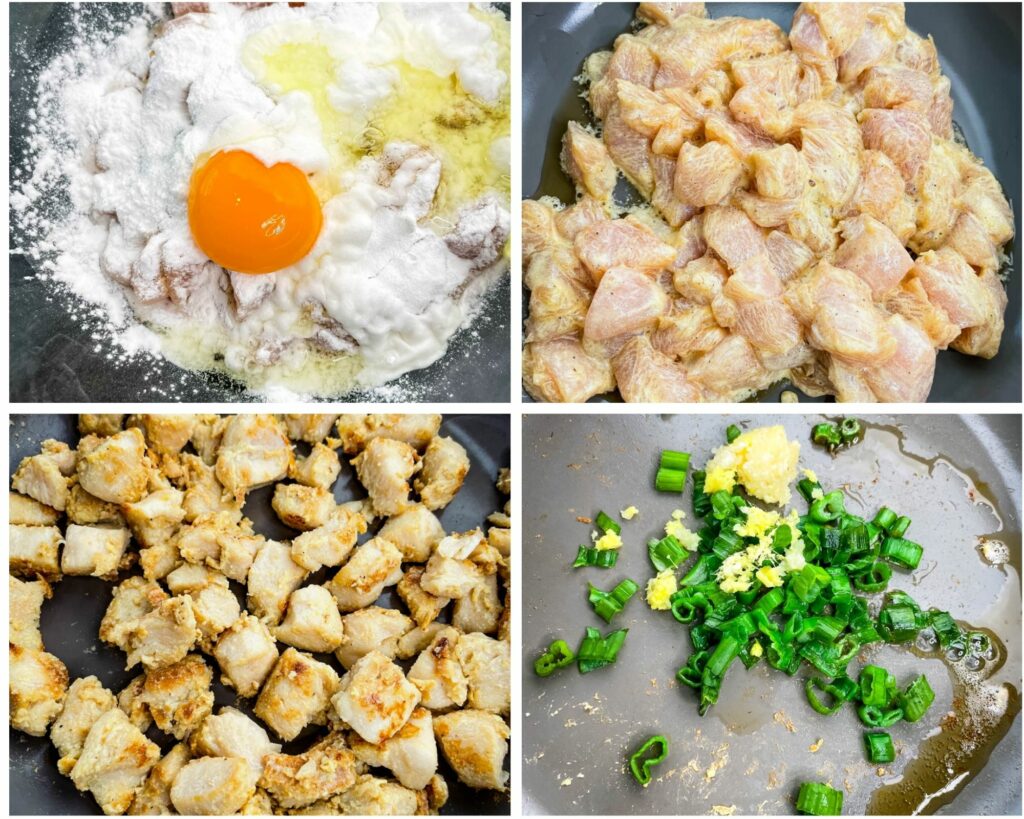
[(120, 131)]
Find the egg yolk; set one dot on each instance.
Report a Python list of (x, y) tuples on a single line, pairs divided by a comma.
[(250, 218)]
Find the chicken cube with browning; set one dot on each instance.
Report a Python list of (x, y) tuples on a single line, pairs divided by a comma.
[(130, 701), (438, 674), (25, 601), (480, 610), (375, 698), (372, 796), (155, 518), (154, 798), (212, 786), (273, 576), (88, 510), (94, 550), (371, 629), (32, 551), (254, 451), (444, 468), (295, 781), (297, 693), (179, 696), (132, 600), (312, 622), (487, 664), (384, 467), (246, 652), (309, 428), (204, 494), (415, 532), (87, 700), (232, 734), (302, 507), (164, 635), (40, 478), (330, 544), (320, 468), (416, 639), (423, 606), (450, 577), (356, 431), (25, 511), (411, 754), (166, 434), (37, 684), (115, 469), (475, 744), (374, 565), (100, 424)]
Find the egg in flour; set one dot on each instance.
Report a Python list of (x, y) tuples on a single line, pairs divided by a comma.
[(310, 198)]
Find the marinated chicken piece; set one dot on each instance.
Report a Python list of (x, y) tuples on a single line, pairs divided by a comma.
[(373, 566), (26, 603), (179, 696), (94, 550), (417, 639), (273, 576), (154, 799), (479, 610), (254, 451), (232, 734), (115, 469), (302, 507), (312, 622), (561, 370), (475, 744), (320, 468), (621, 243), (100, 424), (384, 467), (88, 510), (903, 136), (326, 769), (645, 375), (444, 468), (330, 544), (40, 478), (371, 629), (586, 162), (115, 761), (423, 606), (86, 701), (32, 551), (874, 253), (983, 339), (626, 302), (356, 431), (165, 434), (375, 699), (415, 532), (309, 428), (24, 511), (438, 674), (204, 494), (38, 682), (411, 754), (212, 786), (450, 577), (132, 600), (129, 700), (297, 693), (487, 664), (246, 652), (371, 796), (207, 435), (163, 636)]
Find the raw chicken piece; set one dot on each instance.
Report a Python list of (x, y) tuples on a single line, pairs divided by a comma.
[(664, 13), (732, 371), (686, 333), (411, 754), (629, 150), (627, 301), (881, 193), (621, 243), (706, 175), (645, 375), (911, 301), (895, 86), (788, 256), (907, 376), (632, 61), (877, 40), (904, 136), (780, 172), (571, 220), (664, 200), (701, 280), (586, 161), (874, 253), (475, 744), (561, 370), (830, 144), (970, 239), (212, 786), (952, 285), (732, 235), (983, 339)]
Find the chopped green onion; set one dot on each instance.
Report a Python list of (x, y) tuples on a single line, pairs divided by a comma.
[(666, 553), (701, 502), (875, 717), (558, 655), (732, 432), (879, 747), (826, 435), (947, 632), (669, 480), (806, 487), (647, 756), (899, 528), (877, 686), (596, 651), (599, 558), (606, 524), (608, 604), (916, 699), (818, 799), (904, 553), (874, 579), (898, 624), (850, 429), (812, 696), (885, 518), (676, 461), (827, 508)]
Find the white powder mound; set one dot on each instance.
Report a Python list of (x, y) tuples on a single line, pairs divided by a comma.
[(123, 116)]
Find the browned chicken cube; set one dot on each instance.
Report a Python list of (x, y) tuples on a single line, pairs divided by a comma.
[(212, 786), (475, 744), (116, 469), (297, 693), (438, 674), (487, 664), (384, 467), (37, 682), (100, 424), (309, 428), (40, 478), (320, 468), (302, 507), (254, 451), (411, 754), (232, 734), (371, 629), (313, 622), (179, 695), (164, 635), (25, 600), (295, 781), (423, 606), (375, 698), (415, 532), (246, 652), (331, 543), (356, 431), (25, 511), (32, 551), (87, 700), (444, 468), (94, 550), (373, 566), (154, 798), (166, 434), (273, 576)]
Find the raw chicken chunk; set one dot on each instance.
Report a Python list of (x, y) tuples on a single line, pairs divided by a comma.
[(621, 243), (586, 161), (626, 302)]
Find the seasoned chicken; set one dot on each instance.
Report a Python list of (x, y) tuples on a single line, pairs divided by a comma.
[(179, 696), (259, 804), (100, 424), (326, 769), (423, 606), (309, 428), (212, 786), (384, 468), (25, 599), (254, 451), (373, 566), (356, 431), (585, 160), (165, 434), (86, 701), (164, 635), (232, 734), (40, 478), (132, 600), (450, 577), (32, 551), (38, 682), (115, 469), (297, 693), (331, 543), (115, 760), (374, 698), (88, 510), (93, 550), (154, 799), (480, 609), (129, 700), (415, 532), (245, 652), (411, 754), (320, 468), (444, 468), (155, 518), (213, 603), (371, 629), (475, 744), (312, 622), (438, 674), (371, 796), (487, 665), (25, 511), (204, 494), (302, 507), (273, 576), (415, 640)]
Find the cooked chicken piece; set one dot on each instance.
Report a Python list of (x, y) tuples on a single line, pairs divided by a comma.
[(132, 600), (272, 578), (320, 468), (330, 544), (259, 804), (312, 622), (154, 799), (585, 160), (500, 539), (25, 511), (26, 603), (254, 451), (356, 431), (371, 796), (164, 635), (302, 507), (561, 370), (179, 696), (309, 428), (487, 664), (374, 698), (129, 700), (88, 510), (100, 424), (437, 673), (32, 551), (626, 302), (479, 610), (116, 469), (444, 468), (423, 606), (411, 754), (505, 623), (246, 652), (156, 518), (238, 550), (415, 532), (326, 769), (504, 482), (37, 682), (475, 744), (373, 566), (384, 468), (165, 434), (215, 608), (94, 550), (297, 693), (86, 701), (207, 435), (40, 477), (371, 629), (415, 640), (212, 786), (450, 577), (232, 734), (204, 494), (200, 541)]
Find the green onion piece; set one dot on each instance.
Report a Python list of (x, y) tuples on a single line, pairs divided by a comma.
[(826, 435), (947, 632), (899, 528), (608, 604), (599, 558), (898, 624), (596, 651), (606, 524), (916, 699), (669, 480), (646, 757), (808, 583), (812, 697), (806, 488), (558, 655), (732, 432), (818, 799), (884, 518), (701, 502), (676, 461), (701, 571), (877, 687), (770, 600), (827, 508), (879, 747), (692, 673), (902, 552), (874, 579), (850, 429), (666, 553), (875, 717)]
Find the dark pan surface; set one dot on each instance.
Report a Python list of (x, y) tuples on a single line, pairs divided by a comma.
[(958, 478), (55, 358), (979, 47), (71, 618)]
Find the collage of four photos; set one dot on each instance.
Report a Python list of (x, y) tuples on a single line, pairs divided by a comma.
[(478, 583)]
